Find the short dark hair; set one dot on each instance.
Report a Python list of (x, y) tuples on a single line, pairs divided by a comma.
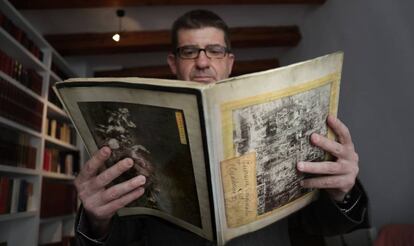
[(196, 19)]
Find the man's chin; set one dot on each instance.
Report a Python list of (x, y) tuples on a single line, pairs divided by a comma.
[(205, 80)]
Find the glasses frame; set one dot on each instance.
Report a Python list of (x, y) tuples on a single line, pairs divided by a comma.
[(205, 49)]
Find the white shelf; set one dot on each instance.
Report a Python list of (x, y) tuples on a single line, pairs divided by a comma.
[(19, 127), (15, 216), (57, 175), (60, 144), (50, 232), (56, 111), (14, 49), (18, 170), (22, 23), (57, 218), (21, 87), (55, 228), (27, 228)]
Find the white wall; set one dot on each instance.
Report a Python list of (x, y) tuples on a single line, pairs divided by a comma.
[(377, 92)]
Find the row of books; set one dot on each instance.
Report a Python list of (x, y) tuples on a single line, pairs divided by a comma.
[(19, 106), (57, 161), (20, 36), (27, 77), (16, 195), (15, 149), (58, 198), (60, 130)]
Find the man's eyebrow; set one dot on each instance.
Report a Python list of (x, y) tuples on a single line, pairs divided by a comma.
[(215, 45), (189, 46), (198, 46)]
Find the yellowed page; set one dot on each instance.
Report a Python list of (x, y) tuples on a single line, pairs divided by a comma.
[(239, 185), (271, 113)]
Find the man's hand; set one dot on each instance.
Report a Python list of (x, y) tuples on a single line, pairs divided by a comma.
[(337, 177), (101, 203)]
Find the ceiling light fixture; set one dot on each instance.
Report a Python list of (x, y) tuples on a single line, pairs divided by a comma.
[(117, 36)]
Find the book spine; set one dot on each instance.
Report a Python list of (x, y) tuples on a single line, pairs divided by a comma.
[(29, 195), (27, 77), (4, 194), (21, 107), (15, 149), (22, 204), (47, 159), (53, 126), (15, 195)]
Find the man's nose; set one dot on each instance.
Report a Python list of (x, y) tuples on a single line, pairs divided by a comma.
[(202, 61)]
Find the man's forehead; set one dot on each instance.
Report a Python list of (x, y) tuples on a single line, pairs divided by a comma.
[(201, 36)]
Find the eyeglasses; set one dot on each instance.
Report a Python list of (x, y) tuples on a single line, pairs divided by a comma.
[(211, 51)]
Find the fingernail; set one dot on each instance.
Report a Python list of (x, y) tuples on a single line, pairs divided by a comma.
[(143, 179), (315, 137), (301, 165), (129, 162), (302, 183), (140, 180), (105, 151)]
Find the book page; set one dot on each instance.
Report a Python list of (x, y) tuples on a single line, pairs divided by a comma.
[(273, 119), (239, 187), (161, 131)]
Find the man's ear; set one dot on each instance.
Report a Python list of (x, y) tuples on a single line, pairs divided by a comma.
[(230, 63), (172, 63)]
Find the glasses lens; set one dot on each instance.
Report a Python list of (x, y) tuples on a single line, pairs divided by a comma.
[(192, 52), (216, 51), (188, 52)]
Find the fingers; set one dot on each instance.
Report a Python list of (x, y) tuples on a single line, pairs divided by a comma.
[(326, 167), (102, 205), (93, 187), (113, 172), (92, 166), (113, 206), (342, 132), (343, 149), (120, 190), (329, 145), (338, 177)]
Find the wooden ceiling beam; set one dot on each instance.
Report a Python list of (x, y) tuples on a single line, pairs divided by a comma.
[(240, 67), (60, 4), (150, 41)]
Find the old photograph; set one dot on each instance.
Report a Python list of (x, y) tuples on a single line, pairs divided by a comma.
[(279, 132), (156, 139)]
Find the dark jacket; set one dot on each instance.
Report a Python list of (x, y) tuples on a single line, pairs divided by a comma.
[(322, 217)]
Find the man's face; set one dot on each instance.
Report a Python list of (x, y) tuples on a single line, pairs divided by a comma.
[(201, 69)]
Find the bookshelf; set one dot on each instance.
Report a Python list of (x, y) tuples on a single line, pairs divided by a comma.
[(39, 150)]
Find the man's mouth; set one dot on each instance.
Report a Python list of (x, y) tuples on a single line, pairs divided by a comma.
[(204, 79)]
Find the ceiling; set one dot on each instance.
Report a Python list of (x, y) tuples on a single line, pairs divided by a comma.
[(81, 30)]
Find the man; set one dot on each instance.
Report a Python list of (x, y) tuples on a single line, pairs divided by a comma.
[(202, 53)]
